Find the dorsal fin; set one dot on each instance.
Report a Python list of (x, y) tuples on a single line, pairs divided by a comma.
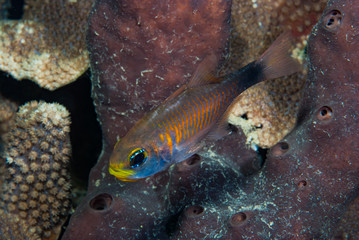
[(204, 73), (176, 93)]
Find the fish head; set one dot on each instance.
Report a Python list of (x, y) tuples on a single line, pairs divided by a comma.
[(132, 162)]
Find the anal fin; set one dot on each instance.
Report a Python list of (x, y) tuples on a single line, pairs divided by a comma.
[(219, 131)]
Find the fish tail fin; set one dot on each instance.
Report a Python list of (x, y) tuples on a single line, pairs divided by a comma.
[(277, 60)]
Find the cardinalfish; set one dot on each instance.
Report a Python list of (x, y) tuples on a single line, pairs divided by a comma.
[(173, 132)]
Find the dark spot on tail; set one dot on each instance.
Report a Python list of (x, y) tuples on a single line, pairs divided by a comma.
[(248, 75)]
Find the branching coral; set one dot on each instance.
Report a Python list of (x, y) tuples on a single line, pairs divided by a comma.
[(48, 44), (35, 195)]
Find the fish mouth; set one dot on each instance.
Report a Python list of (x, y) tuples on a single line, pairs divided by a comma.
[(122, 174)]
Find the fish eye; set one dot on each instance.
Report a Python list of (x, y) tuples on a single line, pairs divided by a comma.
[(137, 157)]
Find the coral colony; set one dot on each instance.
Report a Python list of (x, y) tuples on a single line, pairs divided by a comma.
[(289, 169), (36, 183), (48, 44)]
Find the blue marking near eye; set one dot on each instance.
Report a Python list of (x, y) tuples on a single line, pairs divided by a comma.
[(138, 157)]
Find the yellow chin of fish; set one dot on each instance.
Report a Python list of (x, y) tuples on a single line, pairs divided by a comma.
[(121, 174)]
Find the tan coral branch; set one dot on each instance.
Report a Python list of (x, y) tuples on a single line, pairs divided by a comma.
[(48, 44), (35, 197)]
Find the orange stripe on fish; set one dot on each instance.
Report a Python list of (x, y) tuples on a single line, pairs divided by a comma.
[(196, 117), (220, 98), (216, 104), (212, 105), (204, 111), (193, 116), (164, 125), (179, 131), (224, 97), (177, 128), (162, 138), (190, 122), (207, 109), (168, 136), (179, 135), (223, 94), (166, 128), (169, 123), (184, 119), (186, 114), (176, 124), (180, 124), (200, 115), (169, 142)]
